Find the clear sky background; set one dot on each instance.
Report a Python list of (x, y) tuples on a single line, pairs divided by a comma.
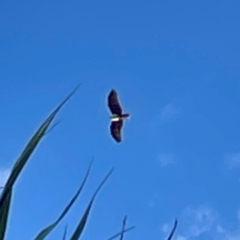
[(176, 67)]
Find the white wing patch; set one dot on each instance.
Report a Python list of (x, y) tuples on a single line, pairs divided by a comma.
[(115, 119)]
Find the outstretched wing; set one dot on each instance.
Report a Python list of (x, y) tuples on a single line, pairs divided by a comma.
[(115, 129), (113, 103)]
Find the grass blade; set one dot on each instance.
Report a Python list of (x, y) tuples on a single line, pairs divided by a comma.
[(120, 233), (78, 231), (5, 198), (123, 227), (46, 231), (4, 213), (65, 233), (52, 127), (32, 144), (173, 230)]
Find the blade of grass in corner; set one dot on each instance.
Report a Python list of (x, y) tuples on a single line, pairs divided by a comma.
[(18, 166), (123, 227), (173, 230), (79, 229), (65, 233), (4, 213), (32, 144), (120, 233), (46, 231)]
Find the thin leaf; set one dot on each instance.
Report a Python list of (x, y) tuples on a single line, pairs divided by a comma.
[(46, 231), (5, 200), (32, 144), (119, 234), (4, 213), (123, 227), (65, 233), (79, 229), (52, 127), (173, 230)]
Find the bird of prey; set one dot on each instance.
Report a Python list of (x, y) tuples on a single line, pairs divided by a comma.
[(117, 116)]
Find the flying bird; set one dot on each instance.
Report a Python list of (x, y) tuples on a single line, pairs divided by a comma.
[(117, 117)]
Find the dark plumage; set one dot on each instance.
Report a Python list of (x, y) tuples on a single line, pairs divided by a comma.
[(115, 129), (113, 103), (117, 115)]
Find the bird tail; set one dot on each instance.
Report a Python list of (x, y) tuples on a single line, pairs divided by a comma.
[(125, 115)]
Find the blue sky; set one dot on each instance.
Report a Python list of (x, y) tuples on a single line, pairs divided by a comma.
[(175, 65)]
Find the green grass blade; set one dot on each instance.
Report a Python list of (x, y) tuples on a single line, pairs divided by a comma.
[(120, 233), (42, 130), (4, 213), (173, 230), (5, 199), (52, 127), (123, 227), (65, 233), (46, 231), (79, 230), (32, 144)]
